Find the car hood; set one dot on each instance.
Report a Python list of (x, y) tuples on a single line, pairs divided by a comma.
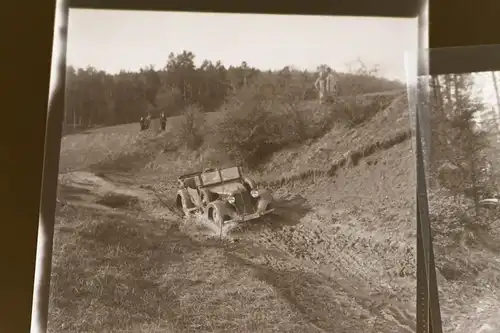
[(227, 189)]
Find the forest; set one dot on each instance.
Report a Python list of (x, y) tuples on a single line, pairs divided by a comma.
[(96, 98), (462, 145)]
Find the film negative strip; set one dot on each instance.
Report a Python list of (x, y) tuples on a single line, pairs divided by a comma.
[(428, 309)]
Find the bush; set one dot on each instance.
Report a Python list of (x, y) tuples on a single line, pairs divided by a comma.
[(454, 218), (259, 124), (191, 127), (264, 118)]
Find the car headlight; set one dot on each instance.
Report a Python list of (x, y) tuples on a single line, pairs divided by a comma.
[(231, 200), (254, 193)]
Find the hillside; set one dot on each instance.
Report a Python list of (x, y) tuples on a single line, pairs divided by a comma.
[(338, 255)]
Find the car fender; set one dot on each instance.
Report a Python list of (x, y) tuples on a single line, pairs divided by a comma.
[(264, 199), (221, 206), (250, 182)]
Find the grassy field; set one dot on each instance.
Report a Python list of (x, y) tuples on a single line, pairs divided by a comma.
[(338, 255)]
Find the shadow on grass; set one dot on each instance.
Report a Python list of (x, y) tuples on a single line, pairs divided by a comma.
[(118, 200), (106, 272), (320, 302)]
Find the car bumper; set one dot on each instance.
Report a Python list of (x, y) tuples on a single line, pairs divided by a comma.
[(248, 217)]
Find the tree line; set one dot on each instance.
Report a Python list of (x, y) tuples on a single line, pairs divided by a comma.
[(97, 98), (94, 97)]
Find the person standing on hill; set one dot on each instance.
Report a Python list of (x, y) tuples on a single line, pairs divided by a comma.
[(331, 83), (319, 84), (145, 122), (326, 84), (163, 121), (141, 122)]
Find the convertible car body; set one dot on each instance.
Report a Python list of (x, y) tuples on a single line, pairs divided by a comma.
[(224, 196)]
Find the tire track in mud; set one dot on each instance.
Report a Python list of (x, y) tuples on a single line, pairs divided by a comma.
[(319, 244), (319, 252), (327, 303), (301, 208)]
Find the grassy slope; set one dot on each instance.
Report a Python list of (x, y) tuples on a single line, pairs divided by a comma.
[(338, 257)]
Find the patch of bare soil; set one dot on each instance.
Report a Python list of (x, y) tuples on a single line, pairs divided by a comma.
[(86, 189)]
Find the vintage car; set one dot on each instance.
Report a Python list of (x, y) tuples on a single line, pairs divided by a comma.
[(224, 196)]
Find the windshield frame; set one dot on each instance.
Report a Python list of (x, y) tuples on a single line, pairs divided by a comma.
[(221, 180)]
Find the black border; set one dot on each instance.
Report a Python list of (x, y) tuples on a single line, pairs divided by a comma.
[(464, 59), (26, 54), (392, 8), (463, 22)]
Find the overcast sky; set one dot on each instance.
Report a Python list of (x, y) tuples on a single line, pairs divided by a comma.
[(113, 40)]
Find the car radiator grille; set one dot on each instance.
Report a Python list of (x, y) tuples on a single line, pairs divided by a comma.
[(243, 203)]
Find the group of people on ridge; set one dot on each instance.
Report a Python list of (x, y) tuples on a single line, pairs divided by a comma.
[(145, 122), (326, 84)]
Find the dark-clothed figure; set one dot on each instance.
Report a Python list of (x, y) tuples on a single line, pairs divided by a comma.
[(163, 121), (145, 122)]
